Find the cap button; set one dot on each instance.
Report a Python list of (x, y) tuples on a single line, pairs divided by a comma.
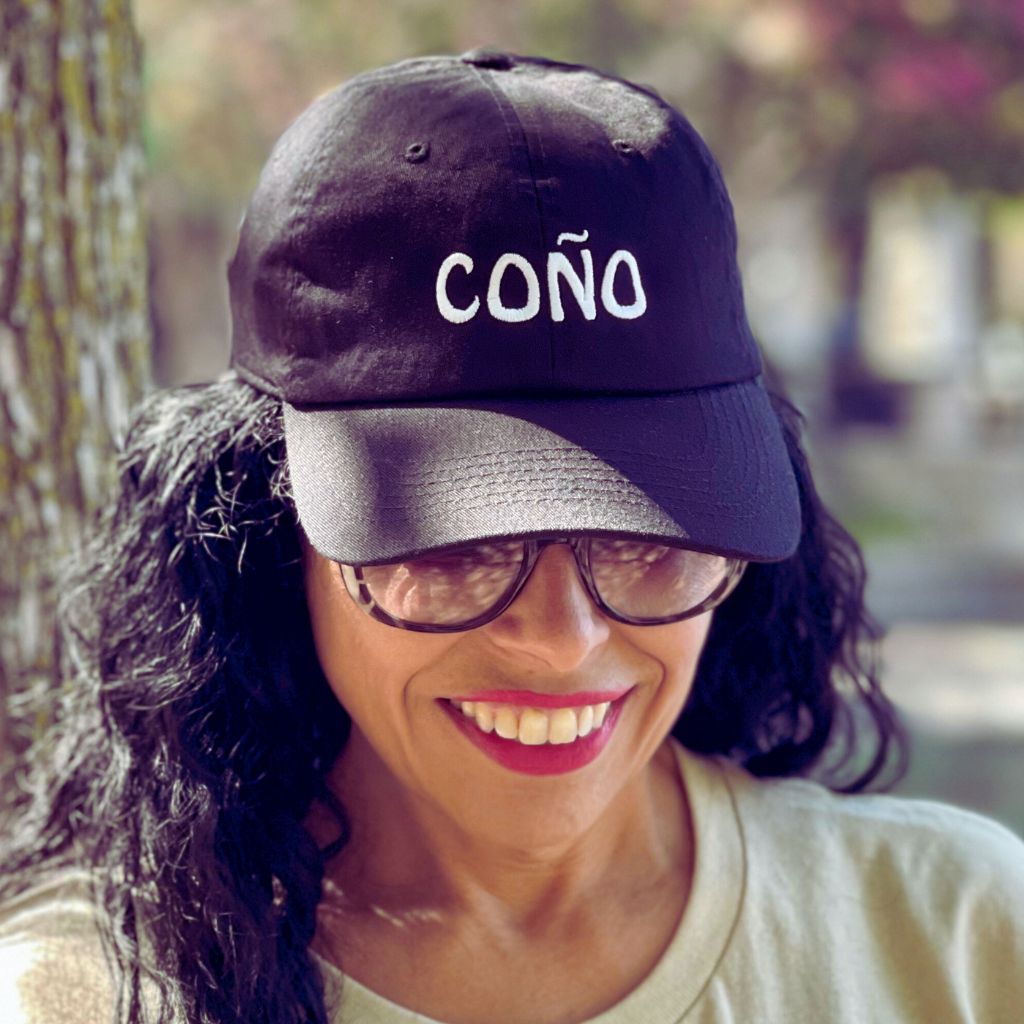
[(483, 57)]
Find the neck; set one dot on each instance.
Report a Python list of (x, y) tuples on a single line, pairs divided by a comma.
[(407, 856)]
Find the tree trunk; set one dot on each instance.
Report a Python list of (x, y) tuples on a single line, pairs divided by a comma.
[(74, 322)]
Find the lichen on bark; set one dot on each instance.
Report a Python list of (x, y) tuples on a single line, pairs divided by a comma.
[(74, 323)]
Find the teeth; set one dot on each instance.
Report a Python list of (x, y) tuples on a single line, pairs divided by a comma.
[(534, 727), (562, 727), (506, 725), (586, 721)]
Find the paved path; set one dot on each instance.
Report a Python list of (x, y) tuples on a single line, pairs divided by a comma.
[(960, 686), (944, 543)]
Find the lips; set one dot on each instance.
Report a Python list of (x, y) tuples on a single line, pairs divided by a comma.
[(538, 734)]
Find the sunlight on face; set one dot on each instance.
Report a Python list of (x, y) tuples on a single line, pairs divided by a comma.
[(397, 685)]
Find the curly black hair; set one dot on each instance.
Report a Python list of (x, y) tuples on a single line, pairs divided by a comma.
[(196, 729)]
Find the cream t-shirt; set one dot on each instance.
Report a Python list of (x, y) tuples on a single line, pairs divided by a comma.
[(806, 908)]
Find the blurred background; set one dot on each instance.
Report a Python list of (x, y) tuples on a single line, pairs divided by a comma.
[(875, 153)]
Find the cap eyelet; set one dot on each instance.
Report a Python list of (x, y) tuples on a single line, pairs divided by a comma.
[(417, 152), (624, 147), (485, 57)]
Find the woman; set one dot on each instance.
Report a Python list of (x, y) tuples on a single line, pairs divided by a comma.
[(445, 660)]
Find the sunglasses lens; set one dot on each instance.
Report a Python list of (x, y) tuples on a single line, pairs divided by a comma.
[(649, 581), (446, 588)]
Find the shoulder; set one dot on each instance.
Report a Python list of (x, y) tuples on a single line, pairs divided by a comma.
[(889, 908), (936, 893), (52, 962), (924, 841)]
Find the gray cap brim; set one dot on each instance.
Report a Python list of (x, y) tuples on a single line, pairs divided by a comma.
[(708, 467)]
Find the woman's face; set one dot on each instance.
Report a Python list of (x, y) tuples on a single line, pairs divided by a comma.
[(535, 669)]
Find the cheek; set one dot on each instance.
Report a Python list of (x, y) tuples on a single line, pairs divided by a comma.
[(336, 636), (677, 648), (368, 665), (680, 643)]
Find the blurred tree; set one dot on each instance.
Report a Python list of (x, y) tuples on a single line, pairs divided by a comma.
[(74, 337), (823, 99), (830, 95), (836, 90)]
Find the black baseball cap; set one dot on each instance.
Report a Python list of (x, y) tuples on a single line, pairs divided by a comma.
[(498, 295)]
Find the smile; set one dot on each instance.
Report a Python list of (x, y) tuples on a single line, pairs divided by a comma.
[(537, 734), (532, 726)]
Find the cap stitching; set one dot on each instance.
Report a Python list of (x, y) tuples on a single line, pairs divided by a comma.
[(484, 480), (549, 455), (629, 497), (424, 480), (754, 440), (602, 485)]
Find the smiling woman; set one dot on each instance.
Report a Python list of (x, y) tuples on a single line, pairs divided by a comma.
[(461, 668)]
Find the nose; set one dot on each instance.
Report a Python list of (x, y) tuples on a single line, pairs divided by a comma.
[(552, 620)]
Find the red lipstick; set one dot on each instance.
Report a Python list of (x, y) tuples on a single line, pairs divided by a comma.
[(547, 758)]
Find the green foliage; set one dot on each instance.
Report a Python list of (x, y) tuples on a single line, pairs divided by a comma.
[(826, 94), (874, 522)]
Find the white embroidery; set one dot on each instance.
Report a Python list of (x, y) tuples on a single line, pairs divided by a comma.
[(639, 304), (559, 269), (512, 314), (444, 304)]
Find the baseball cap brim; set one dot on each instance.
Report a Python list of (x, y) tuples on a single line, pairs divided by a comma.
[(708, 467)]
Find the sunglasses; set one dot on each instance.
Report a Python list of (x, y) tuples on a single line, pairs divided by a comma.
[(637, 582)]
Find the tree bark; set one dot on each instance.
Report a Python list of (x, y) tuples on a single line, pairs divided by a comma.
[(74, 321)]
